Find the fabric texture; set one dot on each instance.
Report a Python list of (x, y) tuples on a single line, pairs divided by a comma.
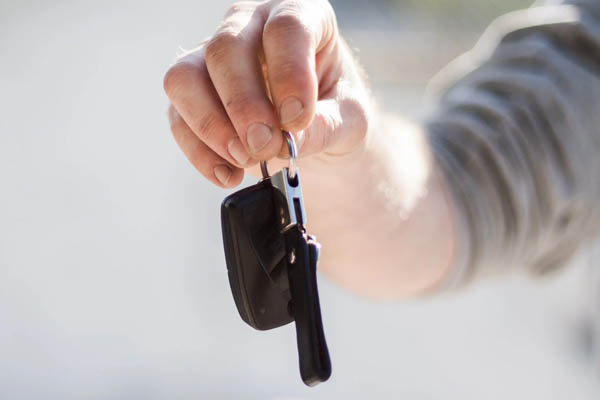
[(517, 134)]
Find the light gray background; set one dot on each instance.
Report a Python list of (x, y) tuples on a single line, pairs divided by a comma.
[(112, 277)]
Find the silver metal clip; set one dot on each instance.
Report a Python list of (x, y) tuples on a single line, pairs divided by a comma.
[(287, 183)]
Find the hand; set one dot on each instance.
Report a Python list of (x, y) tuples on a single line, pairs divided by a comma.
[(271, 65), (372, 195)]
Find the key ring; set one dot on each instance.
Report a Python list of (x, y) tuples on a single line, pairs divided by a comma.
[(292, 149)]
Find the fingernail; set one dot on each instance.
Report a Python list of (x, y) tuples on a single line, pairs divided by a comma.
[(237, 151), (223, 173), (259, 135), (291, 108)]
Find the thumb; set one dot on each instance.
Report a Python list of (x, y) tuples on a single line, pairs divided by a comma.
[(339, 127), (298, 42)]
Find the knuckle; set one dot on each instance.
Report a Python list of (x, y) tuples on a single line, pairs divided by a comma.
[(292, 73), (325, 131), (173, 116), (240, 6), (242, 105), (179, 76), (285, 23), (176, 129), (359, 115), (219, 45), (207, 125), (179, 130)]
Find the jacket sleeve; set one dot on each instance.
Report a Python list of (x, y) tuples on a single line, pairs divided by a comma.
[(517, 135)]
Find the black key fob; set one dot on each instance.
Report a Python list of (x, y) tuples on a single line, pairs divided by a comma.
[(254, 252), (272, 263)]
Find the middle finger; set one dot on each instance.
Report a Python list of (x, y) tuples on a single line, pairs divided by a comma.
[(232, 60)]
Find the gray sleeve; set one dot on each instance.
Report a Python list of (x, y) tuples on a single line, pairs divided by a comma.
[(517, 134)]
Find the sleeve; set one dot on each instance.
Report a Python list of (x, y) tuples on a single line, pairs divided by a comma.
[(517, 135)]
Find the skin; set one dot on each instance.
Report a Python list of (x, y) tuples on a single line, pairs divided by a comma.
[(374, 196)]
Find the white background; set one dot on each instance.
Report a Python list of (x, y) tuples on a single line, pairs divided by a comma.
[(112, 278)]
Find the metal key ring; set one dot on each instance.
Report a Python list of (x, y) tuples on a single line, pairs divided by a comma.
[(293, 150)]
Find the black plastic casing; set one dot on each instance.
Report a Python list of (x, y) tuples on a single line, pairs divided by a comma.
[(254, 253), (269, 289)]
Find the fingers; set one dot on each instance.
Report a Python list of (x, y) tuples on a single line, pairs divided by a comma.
[(293, 33), (234, 68), (214, 167), (190, 90), (263, 70)]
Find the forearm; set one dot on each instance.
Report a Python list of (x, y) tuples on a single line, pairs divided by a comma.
[(515, 143), (518, 139), (382, 215)]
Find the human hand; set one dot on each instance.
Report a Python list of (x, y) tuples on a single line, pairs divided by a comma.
[(281, 64), (271, 65)]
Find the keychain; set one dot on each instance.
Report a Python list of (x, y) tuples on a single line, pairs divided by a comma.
[(272, 262)]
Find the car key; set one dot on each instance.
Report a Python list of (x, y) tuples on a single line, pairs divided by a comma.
[(254, 253), (272, 262), (302, 254)]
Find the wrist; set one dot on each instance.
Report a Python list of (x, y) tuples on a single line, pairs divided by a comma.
[(392, 166), (382, 213)]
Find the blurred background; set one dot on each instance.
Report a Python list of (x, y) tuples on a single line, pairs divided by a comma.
[(112, 276)]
